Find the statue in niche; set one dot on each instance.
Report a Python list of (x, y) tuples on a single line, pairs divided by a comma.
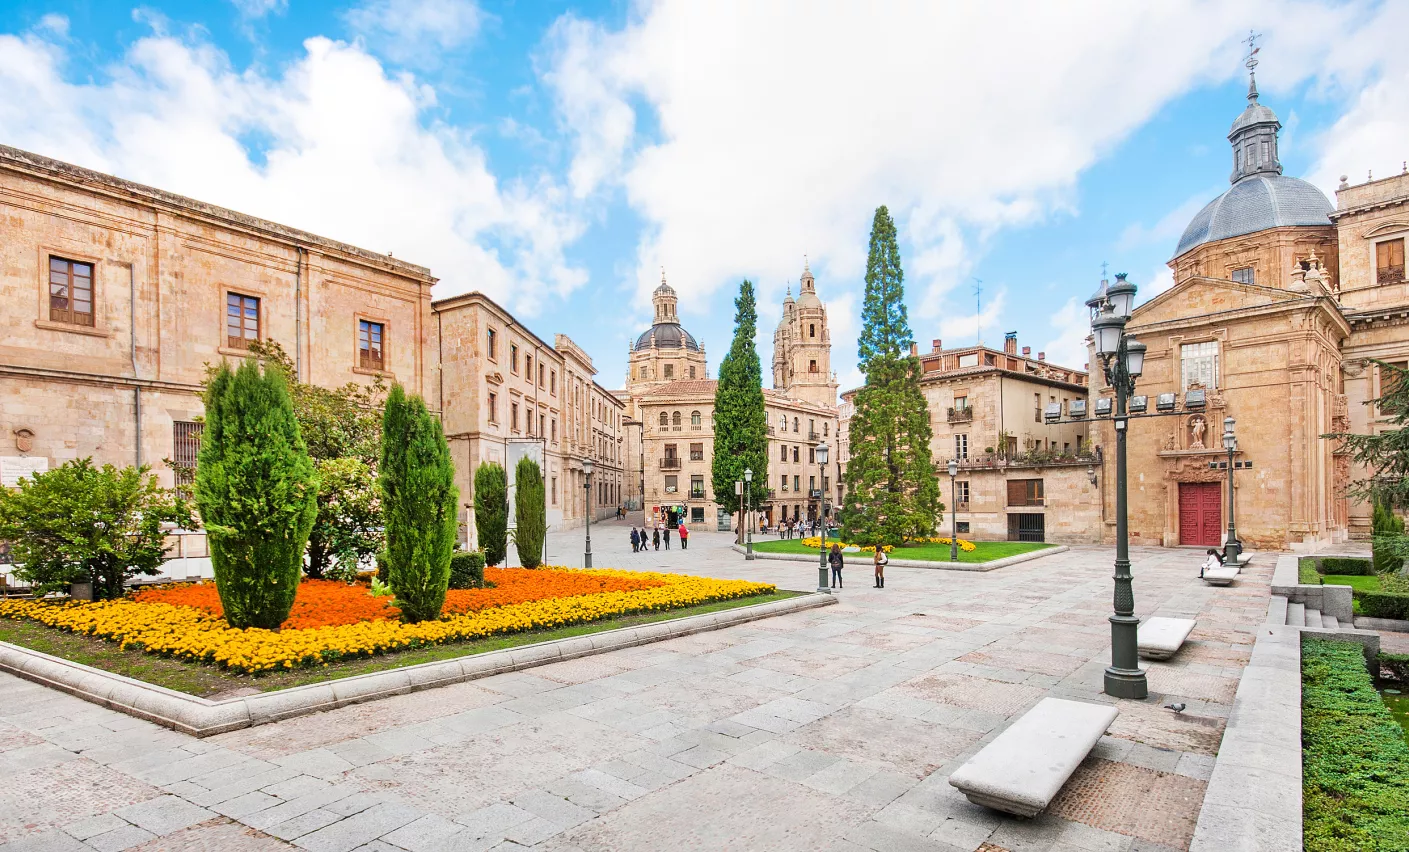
[(1169, 442), (1197, 427)]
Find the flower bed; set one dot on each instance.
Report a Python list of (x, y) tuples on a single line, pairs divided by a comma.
[(185, 623), (815, 542)]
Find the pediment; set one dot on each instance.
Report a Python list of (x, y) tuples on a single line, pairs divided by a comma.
[(1199, 296), (1387, 228)]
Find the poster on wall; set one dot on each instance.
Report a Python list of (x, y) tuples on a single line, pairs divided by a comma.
[(15, 468)]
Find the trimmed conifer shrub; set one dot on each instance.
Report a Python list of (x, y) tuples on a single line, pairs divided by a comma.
[(1386, 531), (257, 493), (492, 511), (530, 513), (418, 502), (467, 569)]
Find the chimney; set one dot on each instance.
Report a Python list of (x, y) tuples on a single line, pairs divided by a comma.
[(1027, 351), (1042, 356), (1010, 343), (936, 345)]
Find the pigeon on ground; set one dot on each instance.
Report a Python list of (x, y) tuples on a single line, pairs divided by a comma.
[(1177, 708)]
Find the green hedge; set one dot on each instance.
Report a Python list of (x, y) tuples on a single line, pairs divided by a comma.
[(1384, 605), (467, 569), (1355, 763), (1346, 565)]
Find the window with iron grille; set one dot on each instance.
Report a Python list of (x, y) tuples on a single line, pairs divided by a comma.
[(70, 292), (1389, 261), (241, 320), (185, 449), (370, 337)]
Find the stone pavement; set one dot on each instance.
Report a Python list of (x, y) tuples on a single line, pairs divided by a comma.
[(831, 729)]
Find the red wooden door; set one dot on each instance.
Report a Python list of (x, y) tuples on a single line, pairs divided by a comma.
[(1201, 513)]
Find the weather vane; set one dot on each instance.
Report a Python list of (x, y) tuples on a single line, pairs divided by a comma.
[(1251, 42)]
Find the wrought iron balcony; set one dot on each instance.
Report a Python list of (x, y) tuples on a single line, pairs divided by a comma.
[(961, 415), (813, 436), (670, 463)]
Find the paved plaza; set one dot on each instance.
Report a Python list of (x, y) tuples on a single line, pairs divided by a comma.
[(832, 729)]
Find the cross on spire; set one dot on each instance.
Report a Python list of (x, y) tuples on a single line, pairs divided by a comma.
[(1103, 268)]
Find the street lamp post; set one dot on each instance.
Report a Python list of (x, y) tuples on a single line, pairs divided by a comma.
[(587, 486), (1233, 548), (822, 585), (1122, 358), (953, 513), (748, 516)]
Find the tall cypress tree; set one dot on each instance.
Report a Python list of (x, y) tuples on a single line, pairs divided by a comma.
[(892, 492), (492, 511), (257, 492), (418, 501), (740, 421), (530, 513)]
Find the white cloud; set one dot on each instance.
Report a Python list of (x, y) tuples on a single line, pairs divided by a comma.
[(1170, 226), (1071, 324), (416, 32), (255, 9), (347, 152)]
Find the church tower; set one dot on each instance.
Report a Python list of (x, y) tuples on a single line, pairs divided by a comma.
[(802, 347), (665, 352)]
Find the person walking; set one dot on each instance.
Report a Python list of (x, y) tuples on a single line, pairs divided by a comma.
[(881, 560), (684, 537), (655, 537), (635, 540), (835, 560), (665, 534)]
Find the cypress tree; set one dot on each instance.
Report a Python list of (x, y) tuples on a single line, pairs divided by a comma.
[(418, 502), (892, 492), (530, 513), (740, 420), (492, 511), (257, 493)]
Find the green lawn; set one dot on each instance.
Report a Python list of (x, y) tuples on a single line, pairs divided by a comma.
[(1359, 582), (986, 551), (209, 681)]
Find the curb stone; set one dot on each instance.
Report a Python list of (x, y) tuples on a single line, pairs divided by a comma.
[(201, 717), (916, 563)]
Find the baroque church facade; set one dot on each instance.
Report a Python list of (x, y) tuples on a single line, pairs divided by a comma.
[(670, 398), (1282, 304)]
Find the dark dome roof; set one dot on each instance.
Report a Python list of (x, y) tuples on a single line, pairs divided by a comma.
[(668, 335), (1256, 203)]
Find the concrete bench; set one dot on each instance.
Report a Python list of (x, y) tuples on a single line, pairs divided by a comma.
[(1221, 576), (1023, 769), (1160, 638)]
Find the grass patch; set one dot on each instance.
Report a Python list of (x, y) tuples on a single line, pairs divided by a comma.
[(1356, 582), (207, 681), (985, 551), (1355, 761)]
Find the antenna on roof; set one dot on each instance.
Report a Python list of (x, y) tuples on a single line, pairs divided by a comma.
[(978, 311)]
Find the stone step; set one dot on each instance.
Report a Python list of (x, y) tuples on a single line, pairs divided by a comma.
[(1312, 617), (1330, 622), (1277, 610), (1296, 614)]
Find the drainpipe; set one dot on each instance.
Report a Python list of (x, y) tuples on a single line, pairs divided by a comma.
[(137, 389)]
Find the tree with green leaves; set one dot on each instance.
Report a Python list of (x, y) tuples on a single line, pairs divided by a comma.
[(740, 420), (892, 492), (492, 511), (83, 524), (419, 503), (530, 513), (1385, 458), (257, 491)]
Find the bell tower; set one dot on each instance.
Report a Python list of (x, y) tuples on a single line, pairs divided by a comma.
[(805, 362)]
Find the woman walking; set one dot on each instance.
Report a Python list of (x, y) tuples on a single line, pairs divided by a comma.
[(880, 564), (665, 534), (835, 560), (635, 540), (655, 537)]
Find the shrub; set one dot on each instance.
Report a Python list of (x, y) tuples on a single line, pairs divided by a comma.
[(1355, 770), (383, 570), (1397, 665), (418, 502), (1387, 528), (530, 513), (1384, 605), (1345, 565), (257, 492), (84, 524), (467, 569), (1307, 572), (492, 511)]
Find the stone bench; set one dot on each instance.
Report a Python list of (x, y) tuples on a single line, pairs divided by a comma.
[(1160, 638), (1221, 576), (1023, 769)]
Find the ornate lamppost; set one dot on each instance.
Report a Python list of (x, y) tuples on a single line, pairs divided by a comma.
[(587, 486), (822, 585), (1233, 548), (953, 513), (1122, 359), (748, 515)]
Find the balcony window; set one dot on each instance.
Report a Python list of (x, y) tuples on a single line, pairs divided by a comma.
[(1199, 363), (695, 420), (71, 293), (697, 490), (1389, 261), (961, 447), (961, 496)]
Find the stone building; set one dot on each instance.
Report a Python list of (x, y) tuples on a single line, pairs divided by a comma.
[(1024, 475), (1280, 300), (670, 434)]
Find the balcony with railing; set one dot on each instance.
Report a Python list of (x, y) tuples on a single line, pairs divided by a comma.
[(670, 463), (813, 436), (961, 415), (1028, 459)]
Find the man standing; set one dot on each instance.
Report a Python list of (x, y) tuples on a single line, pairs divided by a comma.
[(665, 530), (684, 537), (635, 540)]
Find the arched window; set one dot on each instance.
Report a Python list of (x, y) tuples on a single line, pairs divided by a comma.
[(825, 427), (664, 419), (812, 329), (794, 424), (675, 419), (694, 418), (692, 372), (783, 422)]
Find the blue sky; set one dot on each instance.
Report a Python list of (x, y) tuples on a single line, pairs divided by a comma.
[(557, 156)]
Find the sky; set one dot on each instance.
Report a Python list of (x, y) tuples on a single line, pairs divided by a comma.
[(559, 156)]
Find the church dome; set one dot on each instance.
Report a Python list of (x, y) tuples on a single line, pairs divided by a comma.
[(666, 335), (1256, 203)]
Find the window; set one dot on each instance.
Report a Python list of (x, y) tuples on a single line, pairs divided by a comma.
[(795, 454), (1025, 492), (811, 329), (812, 366), (555, 430), (554, 490), (675, 418), (513, 358), (796, 482), (241, 320), (672, 484), (1244, 275), (825, 428), (961, 495), (514, 416), (961, 403), (1037, 408), (530, 421), (697, 487), (785, 482), (697, 452), (540, 374), (493, 408), (970, 360), (491, 343), (961, 526), (528, 366), (185, 448), (695, 419), (812, 455), (369, 345), (553, 383), (641, 372), (785, 453), (794, 424), (811, 484), (1199, 363), (783, 422), (542, 421), (811, 428), (664, 419), (670, 371), (692, 372), (71, 293), (961, 447), (1389, 261)]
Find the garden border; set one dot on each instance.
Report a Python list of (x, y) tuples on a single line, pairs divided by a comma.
[(916, 563), (201, 717)]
